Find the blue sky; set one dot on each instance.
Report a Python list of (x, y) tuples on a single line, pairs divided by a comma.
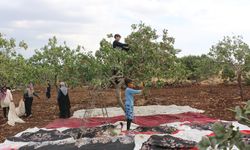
[(196, 24)]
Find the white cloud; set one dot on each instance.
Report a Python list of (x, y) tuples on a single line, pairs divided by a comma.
[(195, 24)]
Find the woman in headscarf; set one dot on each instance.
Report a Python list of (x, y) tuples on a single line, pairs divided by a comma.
[(63, 101), (29, 93), (5, 98)]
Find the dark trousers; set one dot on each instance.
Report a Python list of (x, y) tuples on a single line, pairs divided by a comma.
[(48, 95), (5, 111), (28, 105), (128, 123)]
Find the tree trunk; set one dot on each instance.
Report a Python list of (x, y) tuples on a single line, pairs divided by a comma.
[(56, 81), (145, 91), (240, 85), (118, 94)]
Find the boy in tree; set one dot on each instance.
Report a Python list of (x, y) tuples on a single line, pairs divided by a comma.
[(129, 103), (118, 44)]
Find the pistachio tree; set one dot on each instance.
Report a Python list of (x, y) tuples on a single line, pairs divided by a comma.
[(199, 67), (12, 65), (56, 62), (232, 51), (149, 56)]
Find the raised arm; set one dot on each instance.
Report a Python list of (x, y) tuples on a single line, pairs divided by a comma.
[(117, 44), (132, 91)]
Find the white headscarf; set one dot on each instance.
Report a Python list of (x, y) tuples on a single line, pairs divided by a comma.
[(63, 88)]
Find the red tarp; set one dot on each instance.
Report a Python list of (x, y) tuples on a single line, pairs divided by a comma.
[(147, 121)]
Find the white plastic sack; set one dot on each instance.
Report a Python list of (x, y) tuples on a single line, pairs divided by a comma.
[(20, 110), (12, 116)]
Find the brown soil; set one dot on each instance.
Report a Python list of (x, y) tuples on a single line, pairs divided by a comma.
[(214, 99)]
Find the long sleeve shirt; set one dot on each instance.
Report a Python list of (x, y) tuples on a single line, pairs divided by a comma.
[(117, 44), (8, 98), (129, 96), (29, 93)]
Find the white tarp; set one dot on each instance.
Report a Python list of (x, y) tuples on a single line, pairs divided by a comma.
[(139, 111)]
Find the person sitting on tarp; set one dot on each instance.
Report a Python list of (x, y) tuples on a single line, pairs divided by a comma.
[(28, 95), (129, 102), (5, 98), (118, 44), (63, 101)]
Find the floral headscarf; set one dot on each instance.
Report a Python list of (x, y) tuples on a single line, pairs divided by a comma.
[(3, 92)]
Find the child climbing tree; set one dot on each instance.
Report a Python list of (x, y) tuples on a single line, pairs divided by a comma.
[(148, 57)]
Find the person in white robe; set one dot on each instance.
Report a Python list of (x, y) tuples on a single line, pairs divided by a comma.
[(5, 98), (9, 110)]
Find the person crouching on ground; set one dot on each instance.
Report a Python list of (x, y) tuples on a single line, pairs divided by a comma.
[(5, 97), (29, 93), (63, 101), (129, 103)]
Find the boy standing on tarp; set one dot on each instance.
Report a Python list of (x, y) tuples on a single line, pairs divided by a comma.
[(129, 103)]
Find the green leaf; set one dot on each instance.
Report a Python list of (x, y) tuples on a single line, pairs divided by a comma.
[(218, 129), (204, 143)]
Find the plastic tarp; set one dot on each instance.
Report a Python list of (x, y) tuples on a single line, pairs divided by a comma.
[(20, 110), (148, 132), (153, 120), (13, 114)]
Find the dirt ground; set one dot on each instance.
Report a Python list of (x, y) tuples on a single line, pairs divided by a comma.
[(213, 99)]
